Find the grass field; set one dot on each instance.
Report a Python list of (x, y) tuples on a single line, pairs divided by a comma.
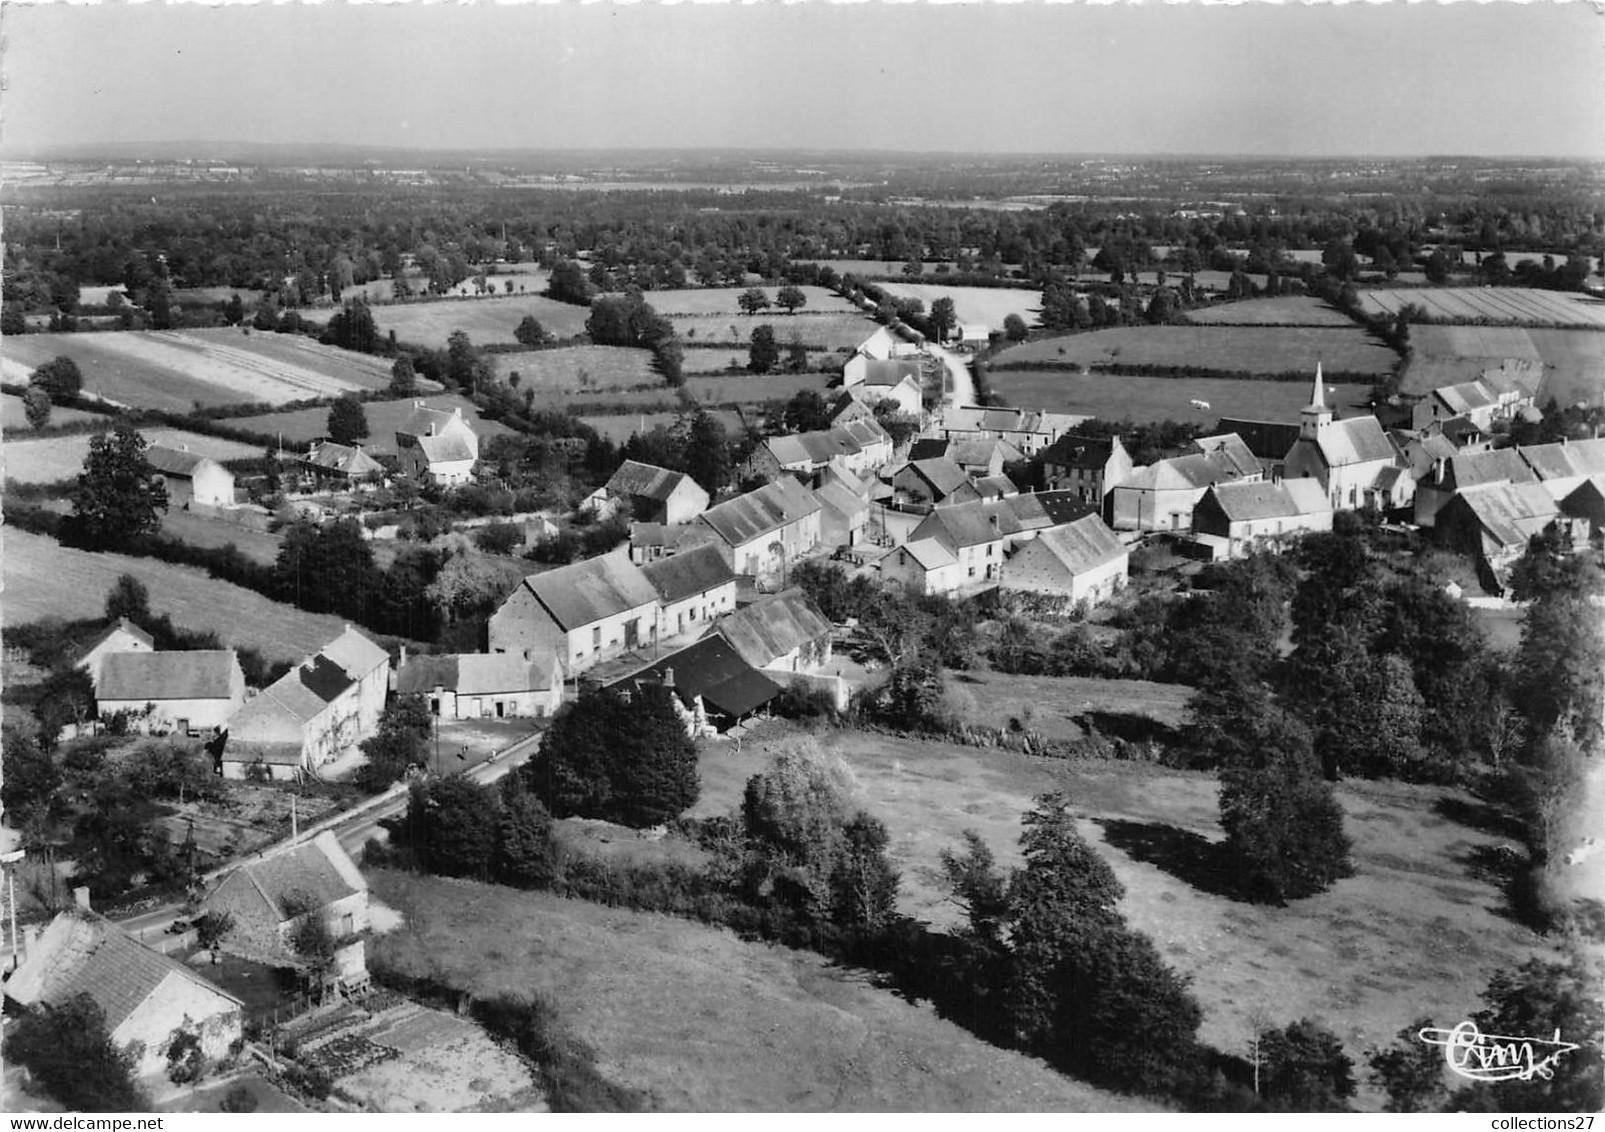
[(1236, 349), (702, 1021), (719, 361), (1116, 396), (1289, 310), (300, 426), (723, 301), (621, 426), (1573, 360), (62, 457), (577, 369), (174, 369), (484, 320), (1050, 705), (199, 530), (833, 331), (988, 306), (1510, 306), (754, 390), (14, 418), (45, 579), (1415, 932)]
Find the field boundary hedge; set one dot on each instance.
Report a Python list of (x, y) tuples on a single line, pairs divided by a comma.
[(1181, 372)]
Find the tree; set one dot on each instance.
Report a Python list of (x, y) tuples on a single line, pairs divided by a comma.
[(1410, 1071), (453, 824), (36, 404), (32, 776), (60, 378), (791, 298), (1283, 826), (403, 378), (1015, 329), (311, 939), (1306, 1069), (805, 412), (707, 453), (69, 1052), (159, 302), (326, 569), (211, 928), (13, 321), (119, 497), (499, 538), (525, 854), (530, 332), (347, 422), (128, 598), (944, 317), (1437, 267), (752, 300), (1340, 261), (397, 745), (764, 353), (353, 328)]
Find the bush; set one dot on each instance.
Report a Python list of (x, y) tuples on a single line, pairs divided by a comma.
[(239, 1098)]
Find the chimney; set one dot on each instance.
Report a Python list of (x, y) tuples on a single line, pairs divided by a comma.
[(668, 677), (401, 659), (417, 404), (80, 897), (1437, 470)]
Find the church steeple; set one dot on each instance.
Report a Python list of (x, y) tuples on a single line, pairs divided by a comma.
[(1316, 415)]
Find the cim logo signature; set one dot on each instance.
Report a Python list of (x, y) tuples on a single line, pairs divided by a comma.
[(1493, 1057)]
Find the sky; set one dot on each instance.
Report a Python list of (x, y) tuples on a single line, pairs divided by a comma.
[(1388, 79)]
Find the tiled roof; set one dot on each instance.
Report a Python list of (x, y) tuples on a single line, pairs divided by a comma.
[(812, 447), (586, 592), (1082, 545), (713, 669), (1466, 397), (835, 497), (1231, 452), (124, 625), (174, 461), (201, 674), (929, 553), (1181, 473), (1511, 513), (1064, 506), (757, 513), (944, 476), (959, 525), (318, 869), (1242, 502), (1562, 461), (342, 458), (1073, 451), (355, 653), (1476, 468), (648, 480), (424, 421), (688, 573), (447, 449), (773, 626), (995, 487)]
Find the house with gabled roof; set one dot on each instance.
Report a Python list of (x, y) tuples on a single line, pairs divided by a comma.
[(437, 445), (925, 483), (146, 998), (980, 534), (763, 531), (843, 514), (121, 636), (318, 711), (925, 564), (342, 465), (1563, 466), (495, 685), (900, 380), (1494, 522), (783, 632), (1352, 459), (1470, 399), (1229, 451), (977, 455), (1079, 561), (1161, 496), (1451, 475), (1241, 516), (857, 443), (271, 896), (695, 587), (582, 613), (1087, 465), (654, 494), (191, 477), (1586, 503), (1029, 430), (715, 687), (161, 692)]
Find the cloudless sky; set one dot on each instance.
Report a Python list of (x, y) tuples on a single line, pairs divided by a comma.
[(1363, 79)]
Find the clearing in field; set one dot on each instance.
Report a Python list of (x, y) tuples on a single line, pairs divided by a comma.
[(176, 369), (45, 579), (298, 427), (577, 369), (1231, 349), (1285, 310), (704, 1022), (56, 458), (1115, 396), (1573, 360), (1418, 930), (485, 320), (988, 306), (1504, 306), (832, 332)]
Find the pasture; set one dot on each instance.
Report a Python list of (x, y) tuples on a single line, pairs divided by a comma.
[(822, 331), (45, 579), (702, 1021), (1249, 349), (619, 427), (298, 427), (578, 368), (177, 369), (755, 390), (1416, 931), (14, 418), (1505, 306), (1573, 360), (55, 458), (486, 321), (1286, 310), (988, 306), (1116, 396), (723, 301)]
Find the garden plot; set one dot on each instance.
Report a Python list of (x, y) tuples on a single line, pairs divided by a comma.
[(419, 1060)]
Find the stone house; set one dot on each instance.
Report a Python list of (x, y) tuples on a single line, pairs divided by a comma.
[(437, 445), (654, 494), (195, 690), (694, 587), (191, 477), (483, 685), (1079, 561), (783, 632), (582, 613), (1087, 465), (762, 532), (1241, 517), (122, 637)]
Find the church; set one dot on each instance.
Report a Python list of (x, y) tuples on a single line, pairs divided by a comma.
[(1354, 460)]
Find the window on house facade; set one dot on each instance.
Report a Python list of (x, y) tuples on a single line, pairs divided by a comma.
[(596, 637)]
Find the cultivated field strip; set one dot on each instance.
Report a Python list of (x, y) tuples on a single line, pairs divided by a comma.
[(240, 370), (1516, 306)]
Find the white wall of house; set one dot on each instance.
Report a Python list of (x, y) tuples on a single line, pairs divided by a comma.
[(698, 609), (168, 715), (119, 641), (1034, 569), (795, 539), (178, 1002)]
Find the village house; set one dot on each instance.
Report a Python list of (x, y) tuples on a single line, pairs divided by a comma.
[(328, 464), (189, 691), (926, 565), (1029, 430), (1353, 460), (779, 633), (1269, 441), (191, 477), (1562, 467), (899, 380), (123, 636), (652, 541), (762, 532), (980, 534), (978, 456), (996, 487), (1494, 522), (1087, 465), (884, 343), (843, 514), (1161, 496), (861, 445), (315, 713), (694, 588), (1228, 450), (1235, 519), (1449, 476), (270, 897), (1079, 561), (1471, 400), (714, 687), (147, 999), (922, 484), (975, 335), (437, 445), (493, 685), (582, 613), (654, 494)]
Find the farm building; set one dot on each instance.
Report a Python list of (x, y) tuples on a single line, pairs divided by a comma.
[(883, 344), (781, 632), (1086, 465), (923, 484), (437, 445), (1586, 503), (900, 380), (763, 531), (1237, 518), (1470, 399), (583, 612), (843, 514), (860, 445), (147, 999), (123, 636), (313, 714), (978, 456), (980, 534), (270, 897), (1029, 430), (1493, 522), (975, 334), (652, 541), (1563, 466), (694, 587), (714, 687), (1229, 451), (1079, 561), (186, 691), (1457, 473), (1352, 459), (191, 477), (340, 465), (492, 685), (654, 494), (1161, 497), (925, 564)]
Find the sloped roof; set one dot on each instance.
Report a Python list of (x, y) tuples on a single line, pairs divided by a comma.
[(302, 693), (318, 869), (812, 447), (994, 487), (1434, 445), (122, 624), (424, 421), (757, 513), (176, 462), (944, 476), (586, 592), (1082, 545), (85, 953), (1074, 451), (1465, 397), (890, 372), (201, 674), (971, 524), (355, 653), (446, 449), (1310, 497), (1358, 440), (426, 673), (1511, 513), (324, 678), (1028, 511), (1561, 461), (1245, 502), (287, 699), (929, 553), (835, 497), (648, 480), (864, 431), (1180, 473), (342, 458), (981, 450), (1267, 440), (1230, 451), (688, 573), (1064, 506), (773, 626), (1476, 468), (1459, 431), (713, 669)]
